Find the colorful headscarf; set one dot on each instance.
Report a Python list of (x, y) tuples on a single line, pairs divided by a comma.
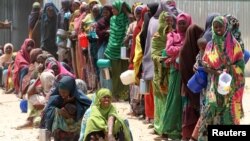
[(136, 4), (234, 28)]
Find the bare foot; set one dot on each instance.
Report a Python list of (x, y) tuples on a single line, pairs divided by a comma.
[(28, 124)]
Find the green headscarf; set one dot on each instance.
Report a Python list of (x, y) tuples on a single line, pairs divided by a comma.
[(98, 120), (99, 95), (219, 40)]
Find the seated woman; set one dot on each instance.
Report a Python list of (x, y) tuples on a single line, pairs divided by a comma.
[(57, 67), (37, 92), (32, 71), (5, 61), (104, 120), (65, 109), (22, 62)]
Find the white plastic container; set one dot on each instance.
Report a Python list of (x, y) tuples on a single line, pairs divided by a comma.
[(224, 83), (123, 53), (128, 77), (144, 87), (69, 43), (44, 135)]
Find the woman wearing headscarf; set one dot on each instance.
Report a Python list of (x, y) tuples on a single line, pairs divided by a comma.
[(175, 42), (118, 26), (152, 10), (22, 62), (35, 91), (138, 53), (234, 28), (147, 62), (135, 10), (224, 53), (208, 26), (191, 106), (136, 100), (102, 31), (138, 56), (160, 79), (34, 23), (104, 119), (64, 15), (5, 61), (49, 28), (134, 32), (58, 68), (76, 52), (93, 38), (32, 70), (65, 109)]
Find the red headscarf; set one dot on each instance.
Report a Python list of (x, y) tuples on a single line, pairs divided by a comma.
[(62, 70), (135, 33), (22, 60)]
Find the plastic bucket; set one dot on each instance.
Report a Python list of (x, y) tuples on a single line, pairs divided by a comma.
[(123, 53), (246, 56), (224, 83), (83, 40), (103, 63), (198, 81), (128, 77), (24, 105), (144, 87)]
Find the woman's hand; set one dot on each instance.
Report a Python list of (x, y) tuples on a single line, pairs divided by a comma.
[(64, 113), (111, 137)]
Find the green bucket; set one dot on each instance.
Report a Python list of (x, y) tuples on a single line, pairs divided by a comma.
[(103, 63)]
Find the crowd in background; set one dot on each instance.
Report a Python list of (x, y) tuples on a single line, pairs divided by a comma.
[(69, 70)]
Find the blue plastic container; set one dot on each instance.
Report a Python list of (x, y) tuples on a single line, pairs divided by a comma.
[(246, 55), (198, 81), (24, 105)]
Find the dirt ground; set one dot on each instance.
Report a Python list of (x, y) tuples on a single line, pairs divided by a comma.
[(11, 117)]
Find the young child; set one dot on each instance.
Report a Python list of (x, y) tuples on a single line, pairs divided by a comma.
[(202, 43)]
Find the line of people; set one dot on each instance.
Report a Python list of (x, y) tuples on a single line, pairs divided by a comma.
[(165, 49)]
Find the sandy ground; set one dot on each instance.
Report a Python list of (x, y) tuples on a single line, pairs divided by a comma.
[(11, 117)]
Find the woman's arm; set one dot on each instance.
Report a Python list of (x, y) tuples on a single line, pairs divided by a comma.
[(32, 88), (111, 121)]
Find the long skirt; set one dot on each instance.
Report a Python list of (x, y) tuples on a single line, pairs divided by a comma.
[(173, 115), (160, 96), (149, 103), (103, 82), (119, 90)]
